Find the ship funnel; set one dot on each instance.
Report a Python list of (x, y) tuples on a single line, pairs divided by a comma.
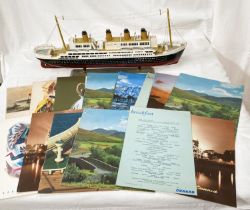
[(85, 37), (108, 35), (126, 34), (144, 35)]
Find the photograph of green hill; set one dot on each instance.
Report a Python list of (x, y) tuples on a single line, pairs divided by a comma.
[(99, 90), (95, 157), (205, 97)]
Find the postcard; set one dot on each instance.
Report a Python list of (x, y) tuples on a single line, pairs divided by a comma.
[(127, 89), (205, 97), (13, 135), (99, 90), (144, 94), (18, 101), (158, 152), (214, 155), (95, 156), (36, 145), (69, 93), (43, 96), (161, 90), (62, 134)]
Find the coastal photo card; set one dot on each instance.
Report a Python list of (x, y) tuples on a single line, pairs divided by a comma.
[(59, 144), (127, 89), (205, 97), (161, 90), (18, 101), (157, 152), (214, 156), (36, 145), (69, 93), (95, 156), (43, 96), (13, 136), (99, 90)]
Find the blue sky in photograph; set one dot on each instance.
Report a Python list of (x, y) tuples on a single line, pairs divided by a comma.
[(130, 79), (209, 87), (101, 80), (105, 119)]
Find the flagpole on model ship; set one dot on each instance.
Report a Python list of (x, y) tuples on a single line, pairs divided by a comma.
[(169, 29), (60, 32)]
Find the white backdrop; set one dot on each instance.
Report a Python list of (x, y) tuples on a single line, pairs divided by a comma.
[(26, 23)]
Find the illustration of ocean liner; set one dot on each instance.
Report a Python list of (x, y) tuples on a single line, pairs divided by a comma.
[(122, 51)]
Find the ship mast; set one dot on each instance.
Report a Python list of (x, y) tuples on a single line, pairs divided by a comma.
[(60, 32), (169, 29)]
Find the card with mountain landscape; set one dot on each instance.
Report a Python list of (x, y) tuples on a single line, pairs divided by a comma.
[(205, 97), (161, 90), (127, 89), (99, 89), (96, 152)]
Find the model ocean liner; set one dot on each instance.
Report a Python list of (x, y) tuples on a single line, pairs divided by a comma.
[(122, 51)]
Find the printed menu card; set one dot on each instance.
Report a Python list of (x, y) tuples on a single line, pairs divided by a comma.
[(157, 152)]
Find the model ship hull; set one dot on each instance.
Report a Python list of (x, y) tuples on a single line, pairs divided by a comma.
[(114, 62)]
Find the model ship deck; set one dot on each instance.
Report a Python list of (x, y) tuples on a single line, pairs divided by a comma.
[(125, 51)]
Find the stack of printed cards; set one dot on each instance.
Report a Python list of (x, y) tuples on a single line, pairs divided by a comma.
[(123, 130)]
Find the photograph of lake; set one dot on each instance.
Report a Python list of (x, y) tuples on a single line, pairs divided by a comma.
[(96, 152), (214, 156)]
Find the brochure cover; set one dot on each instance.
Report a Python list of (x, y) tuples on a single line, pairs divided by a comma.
[(18, 101), (63, 130), (13, 135), (99, 90), (144, 94), (95, 156), (205, 97), (35, 152), (69, 93), (214, 155), (161, 90), (43, 96), (157, 153), (127, 89)]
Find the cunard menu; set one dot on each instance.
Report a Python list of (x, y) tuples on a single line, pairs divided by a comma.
[(157, 153)]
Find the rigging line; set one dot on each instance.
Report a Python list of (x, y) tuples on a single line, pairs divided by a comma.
[(51, 33), (111, 17), (178, 33)]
